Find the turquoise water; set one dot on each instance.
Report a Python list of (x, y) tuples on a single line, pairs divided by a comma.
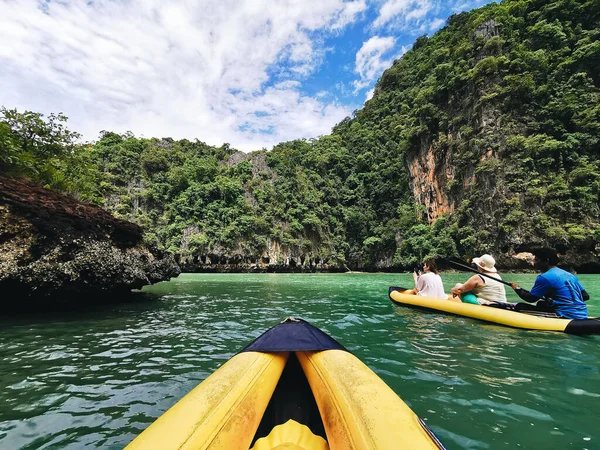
[(95, 379)]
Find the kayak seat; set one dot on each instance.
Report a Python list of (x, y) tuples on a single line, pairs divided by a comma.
[(291, 436)]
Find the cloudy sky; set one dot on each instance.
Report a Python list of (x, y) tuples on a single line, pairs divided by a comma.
[(248, 72)]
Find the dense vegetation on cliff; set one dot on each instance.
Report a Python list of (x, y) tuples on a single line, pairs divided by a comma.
[(499, 113), (506, 97)]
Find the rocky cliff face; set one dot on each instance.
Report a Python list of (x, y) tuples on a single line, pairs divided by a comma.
[(54, 248), (431, 168), (430, 173), (275, 258), (463, 166)]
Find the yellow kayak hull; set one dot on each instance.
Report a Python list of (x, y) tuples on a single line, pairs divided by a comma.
[(495, 315), (232, 409), (221, 412), (359, 410)]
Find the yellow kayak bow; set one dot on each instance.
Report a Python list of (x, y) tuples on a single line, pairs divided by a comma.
[(294, 387)]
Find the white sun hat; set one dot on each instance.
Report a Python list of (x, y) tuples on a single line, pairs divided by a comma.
[(486, 262)]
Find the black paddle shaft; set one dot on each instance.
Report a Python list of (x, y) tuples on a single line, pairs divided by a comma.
[(470, 269)]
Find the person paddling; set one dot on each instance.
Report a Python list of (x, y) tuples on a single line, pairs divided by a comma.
[(555, 290), (479, 289)]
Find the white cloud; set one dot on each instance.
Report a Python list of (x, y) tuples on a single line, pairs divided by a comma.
[(349, 13), (174, 68), (400, 13), (284, 114), (415, 16), (435, 24), (370, 60), (369, 94)]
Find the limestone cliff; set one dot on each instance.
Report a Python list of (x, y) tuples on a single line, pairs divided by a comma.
[(431, 167), (274, 258), (487, 158), (54, 248)]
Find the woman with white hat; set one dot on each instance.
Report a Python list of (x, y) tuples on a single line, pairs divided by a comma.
[(479, 289)]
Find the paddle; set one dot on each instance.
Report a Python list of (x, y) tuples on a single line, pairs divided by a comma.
[(470, 269)]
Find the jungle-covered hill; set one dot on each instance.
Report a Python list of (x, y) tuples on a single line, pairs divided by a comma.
[(482, 138)]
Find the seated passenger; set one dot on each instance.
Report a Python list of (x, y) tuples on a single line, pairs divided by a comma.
[(480, 290), (555, 290), (429, 283)]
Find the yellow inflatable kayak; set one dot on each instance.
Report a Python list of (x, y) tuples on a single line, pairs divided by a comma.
[(496, 315), (293, 388)]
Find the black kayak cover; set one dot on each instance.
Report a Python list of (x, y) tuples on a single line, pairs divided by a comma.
[(583, 326), (293, 335)]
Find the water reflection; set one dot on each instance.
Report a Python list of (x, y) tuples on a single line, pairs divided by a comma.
[(94, 379)]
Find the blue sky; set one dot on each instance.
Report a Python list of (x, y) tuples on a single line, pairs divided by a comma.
[(252, 73)]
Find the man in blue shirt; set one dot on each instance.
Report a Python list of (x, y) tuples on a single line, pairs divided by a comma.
[(559, 290)]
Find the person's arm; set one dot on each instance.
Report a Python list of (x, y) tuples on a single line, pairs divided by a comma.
[(525, 295), (470, 284), (421, 283), (416, 279), (584, 295), (540, 287)]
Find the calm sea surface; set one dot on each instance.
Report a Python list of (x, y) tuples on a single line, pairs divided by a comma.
[(95, 379)]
